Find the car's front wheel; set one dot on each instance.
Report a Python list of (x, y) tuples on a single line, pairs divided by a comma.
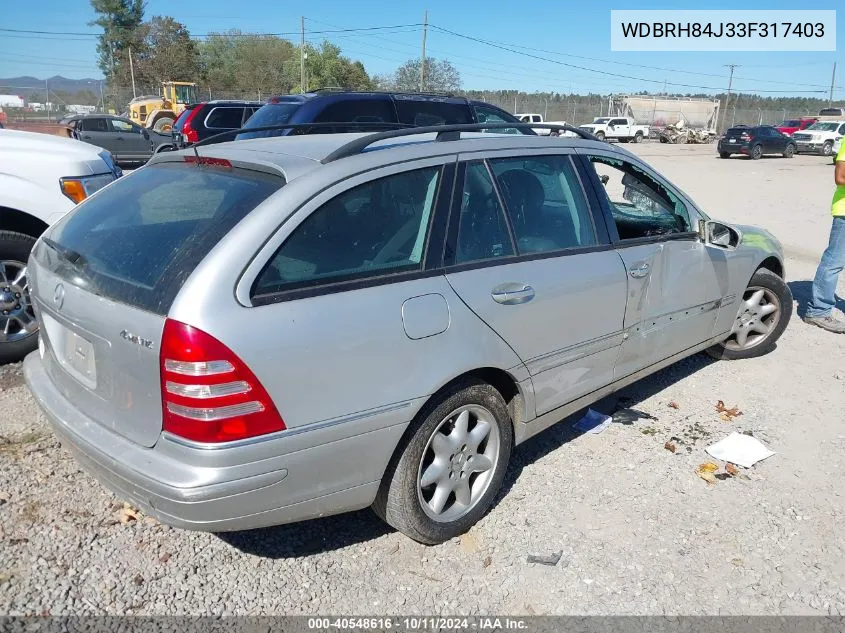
[(18, 327), (827, 148), (600, 135), (763, 315), (445, 477)]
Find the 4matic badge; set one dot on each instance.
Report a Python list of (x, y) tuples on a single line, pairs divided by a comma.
[(134, 338)]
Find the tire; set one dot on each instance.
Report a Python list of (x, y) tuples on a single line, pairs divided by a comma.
[(638, 137), (14, 253), (600, 135), (827, 148), (401, 501), (724, 155), (756, 152), (777, 292), (789, 152), (164, 124)]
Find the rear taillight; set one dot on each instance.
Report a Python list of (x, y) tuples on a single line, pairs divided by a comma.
[(208, 393), (188, 132)]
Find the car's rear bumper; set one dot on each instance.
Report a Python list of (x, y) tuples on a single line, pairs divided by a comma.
[(732, 148), (328, 470)]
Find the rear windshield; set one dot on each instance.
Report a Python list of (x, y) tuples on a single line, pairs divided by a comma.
[(180, 122), (792, 123), (141, 237), (737, 131), (270, 114), (419, 112)]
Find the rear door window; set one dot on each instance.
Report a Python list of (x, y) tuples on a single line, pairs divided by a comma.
[(139, 239), (377, 110), (95, 125), (224, 118), (421, 112), (373, 229)]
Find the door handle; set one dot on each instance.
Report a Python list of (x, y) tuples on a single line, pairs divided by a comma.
[(512, 294), (639, 271)]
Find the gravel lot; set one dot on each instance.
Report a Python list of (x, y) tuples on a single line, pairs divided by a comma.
[(639, 532)]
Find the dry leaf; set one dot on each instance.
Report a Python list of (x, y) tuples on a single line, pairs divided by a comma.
[(727, 414), (469, 543), (138, 580), (674, 405), (731, 469), (705, 471), (151, 521), (127, 514), (487, 562), (164, 557), (670, 447)]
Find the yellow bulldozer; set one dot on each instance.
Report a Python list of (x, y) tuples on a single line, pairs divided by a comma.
[(160, 112)]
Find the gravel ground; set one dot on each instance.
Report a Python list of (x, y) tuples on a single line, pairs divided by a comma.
[(638, 531)]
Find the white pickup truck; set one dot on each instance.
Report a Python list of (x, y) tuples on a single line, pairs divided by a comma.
[(819, 138), (42, 177), (622, 129), (531, 117)]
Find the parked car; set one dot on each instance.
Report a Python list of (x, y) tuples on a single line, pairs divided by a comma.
[(790, 126), (328, 106), (42, 177), (202, 120), (128, 142), (755, 142), (328, 322), (622, 129), (832, 112), (819, 137)]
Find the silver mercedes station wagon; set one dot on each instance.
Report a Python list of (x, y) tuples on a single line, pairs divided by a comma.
[(260, 332)]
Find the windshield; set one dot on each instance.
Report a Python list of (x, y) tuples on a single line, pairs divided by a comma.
[(185, 94), (269, 114), (824, 126), (140, 238), (601, 120)]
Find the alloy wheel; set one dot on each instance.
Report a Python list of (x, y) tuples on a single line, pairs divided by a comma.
[(758, 317), (17, 318), (458, 463)]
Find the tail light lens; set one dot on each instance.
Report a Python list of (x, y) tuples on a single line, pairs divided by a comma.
[(190, 134), (208, 393)]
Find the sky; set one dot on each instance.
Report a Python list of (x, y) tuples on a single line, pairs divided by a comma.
[(560, 32)]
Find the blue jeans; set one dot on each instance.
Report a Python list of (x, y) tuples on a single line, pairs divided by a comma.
[(827, 276)]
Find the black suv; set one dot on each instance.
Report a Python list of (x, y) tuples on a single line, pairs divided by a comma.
[(754, 142), (201, 120), (332, 106)]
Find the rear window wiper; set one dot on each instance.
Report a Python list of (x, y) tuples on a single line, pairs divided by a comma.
[(68, 254)]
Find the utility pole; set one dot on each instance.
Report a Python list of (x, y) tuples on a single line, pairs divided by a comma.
[(47, 98), (302, 54), (132, 73), (832, 81), (730, 83), (422, 65)]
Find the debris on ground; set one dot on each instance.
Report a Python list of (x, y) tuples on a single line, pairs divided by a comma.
[(727, 415), (593, 422), (488, 560), (670, 447), (707, 472), (674, 405), (740, 449), (551, 560), (127, 514), (164, 557)]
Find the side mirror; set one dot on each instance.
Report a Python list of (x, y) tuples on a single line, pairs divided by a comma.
[(719, 235)]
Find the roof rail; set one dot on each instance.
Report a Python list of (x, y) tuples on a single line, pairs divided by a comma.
[(304, 126), (425, 93), (446, 133)]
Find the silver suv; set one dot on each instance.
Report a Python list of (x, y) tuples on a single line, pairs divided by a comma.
[(271, 330)]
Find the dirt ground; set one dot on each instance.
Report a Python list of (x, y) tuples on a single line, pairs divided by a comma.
[(637, 531)]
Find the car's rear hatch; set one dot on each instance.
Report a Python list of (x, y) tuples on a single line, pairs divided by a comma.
[(737, 136), (103, 280)]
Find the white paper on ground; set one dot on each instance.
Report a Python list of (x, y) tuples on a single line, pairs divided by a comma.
[(740, 449), (593, 422)]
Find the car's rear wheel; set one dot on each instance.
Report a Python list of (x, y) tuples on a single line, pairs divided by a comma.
[(827, 148), (763, 315), (638, 137), (445, 477), (18, 327), (724, 155), (789, 152), (756, 152)]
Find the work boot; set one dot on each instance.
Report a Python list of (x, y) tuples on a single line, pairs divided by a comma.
[(828, 322)]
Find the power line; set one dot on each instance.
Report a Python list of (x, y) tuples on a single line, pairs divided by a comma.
[(285, 33)]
